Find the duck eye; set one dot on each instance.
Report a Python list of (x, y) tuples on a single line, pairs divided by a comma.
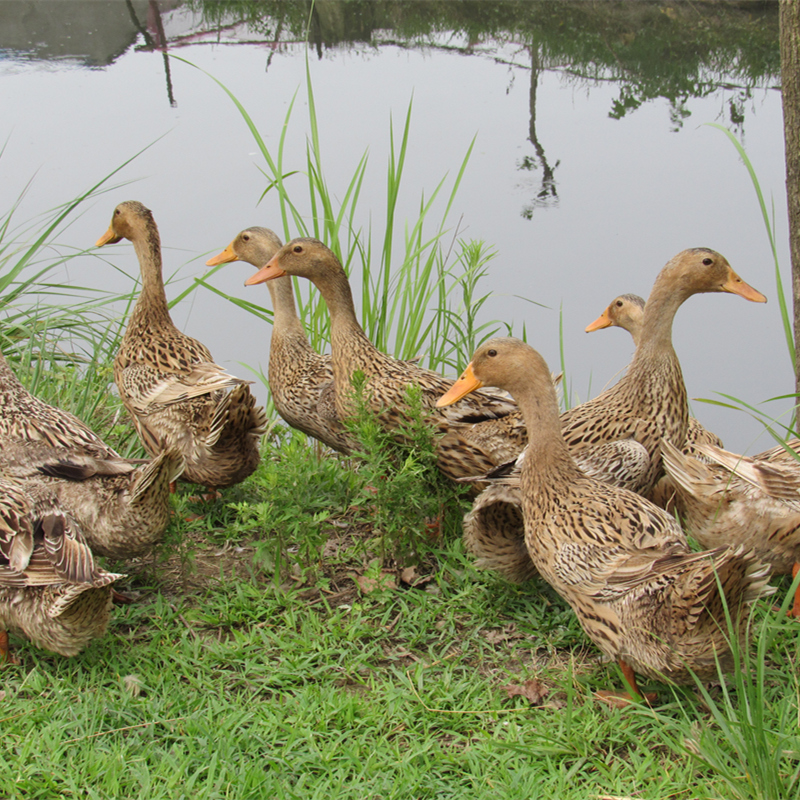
[(707, 262), (245, 238), (298, 248), (492, 353), (619, 303)]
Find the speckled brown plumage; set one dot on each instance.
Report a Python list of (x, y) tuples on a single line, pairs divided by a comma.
[(300, 378), (477, 435), (627, 312), (177, 397), (493, 528), (725, 498), (51, 591), (120, 515), (26, 418), (652, 390), (494, 532), (122, 507), (780, 454), (621, 562)]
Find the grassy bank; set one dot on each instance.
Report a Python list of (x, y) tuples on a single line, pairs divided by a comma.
[(272, 653)]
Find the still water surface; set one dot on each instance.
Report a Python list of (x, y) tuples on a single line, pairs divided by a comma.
[(629, 193)]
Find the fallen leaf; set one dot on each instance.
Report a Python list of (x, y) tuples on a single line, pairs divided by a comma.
[(494, 636), (532, 690), (409, 575), (383, 582), (505, 634)]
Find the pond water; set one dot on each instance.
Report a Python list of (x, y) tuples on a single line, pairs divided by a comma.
[(627, 194)]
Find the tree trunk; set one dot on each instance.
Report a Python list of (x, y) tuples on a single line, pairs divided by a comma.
[(790, 90)]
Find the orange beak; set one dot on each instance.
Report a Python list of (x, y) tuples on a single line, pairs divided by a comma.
[(109, 237), (463, 386), (603, 321), (735, 285), (269, 271), (225, 257)]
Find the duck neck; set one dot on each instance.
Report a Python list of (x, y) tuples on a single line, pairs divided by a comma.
[(285, 322), (548, 455), (153, 298), (348, 339), (655, 339), (335, 290)]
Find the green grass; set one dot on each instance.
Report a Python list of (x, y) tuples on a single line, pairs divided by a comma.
[(255, 662), (747, 730)]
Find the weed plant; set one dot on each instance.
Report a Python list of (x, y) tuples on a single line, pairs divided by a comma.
[(403, 497)]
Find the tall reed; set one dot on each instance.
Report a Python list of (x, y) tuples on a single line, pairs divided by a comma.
[(747, 733), (417, 297)]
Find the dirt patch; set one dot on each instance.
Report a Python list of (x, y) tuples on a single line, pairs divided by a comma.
[(192, 567)]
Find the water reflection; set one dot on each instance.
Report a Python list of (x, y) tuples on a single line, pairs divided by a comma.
[(154, 38), (548, 194), (90, 32)]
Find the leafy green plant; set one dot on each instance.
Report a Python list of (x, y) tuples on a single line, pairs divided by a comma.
[(288, 503), (403, 496)]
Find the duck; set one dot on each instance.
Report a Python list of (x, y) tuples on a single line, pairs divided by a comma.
[(51, 590), (615, 437), (627, 312), (300, 378), (178, 398), (622, 564), (493, 528), (727, 498), (121, 516), (651, 395), (474, 437), (121, 505)]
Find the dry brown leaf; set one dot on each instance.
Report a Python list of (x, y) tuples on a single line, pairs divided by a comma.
[(409, 575), (505, 634), (382, 583), (532, 690)]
